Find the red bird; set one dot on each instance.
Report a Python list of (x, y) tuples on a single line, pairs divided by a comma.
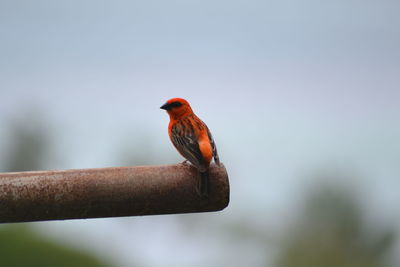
[(192, 138)]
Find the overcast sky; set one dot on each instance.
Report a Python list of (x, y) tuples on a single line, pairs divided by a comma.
[(287, 87)]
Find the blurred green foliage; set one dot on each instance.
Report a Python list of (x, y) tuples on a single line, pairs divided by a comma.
[(20, 246), (332, 232), (29, 146)]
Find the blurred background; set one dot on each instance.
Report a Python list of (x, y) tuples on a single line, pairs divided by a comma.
[(302, 98)]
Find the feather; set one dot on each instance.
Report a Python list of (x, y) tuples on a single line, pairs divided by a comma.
[(187, 144)]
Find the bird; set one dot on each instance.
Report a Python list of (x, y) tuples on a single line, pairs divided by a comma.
[(192, 138)]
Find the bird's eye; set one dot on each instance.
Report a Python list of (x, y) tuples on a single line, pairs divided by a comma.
[(175, 104)]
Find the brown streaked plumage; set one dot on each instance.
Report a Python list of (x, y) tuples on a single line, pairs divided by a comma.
[(191, 137)]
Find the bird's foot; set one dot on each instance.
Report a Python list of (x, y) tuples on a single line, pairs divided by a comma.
[(186, 162)]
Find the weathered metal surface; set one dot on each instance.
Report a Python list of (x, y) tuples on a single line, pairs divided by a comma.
[(108, 192)]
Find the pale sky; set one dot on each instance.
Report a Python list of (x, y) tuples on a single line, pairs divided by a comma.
[(288, 88)]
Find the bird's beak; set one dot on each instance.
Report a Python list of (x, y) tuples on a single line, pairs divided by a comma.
[(165, 106)]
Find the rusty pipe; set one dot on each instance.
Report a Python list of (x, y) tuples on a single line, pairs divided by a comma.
[(108, 192)]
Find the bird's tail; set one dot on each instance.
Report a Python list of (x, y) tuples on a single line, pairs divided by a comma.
[(203, 184)]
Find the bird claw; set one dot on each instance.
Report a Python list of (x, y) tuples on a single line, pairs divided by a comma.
[(185, 162)]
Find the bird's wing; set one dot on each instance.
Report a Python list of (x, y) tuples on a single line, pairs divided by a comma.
[(214, 147), (187, 144)]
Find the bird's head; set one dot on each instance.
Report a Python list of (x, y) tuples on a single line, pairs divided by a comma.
[(177, 108)]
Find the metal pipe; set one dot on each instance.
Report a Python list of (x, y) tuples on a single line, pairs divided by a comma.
[(108, 192)]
